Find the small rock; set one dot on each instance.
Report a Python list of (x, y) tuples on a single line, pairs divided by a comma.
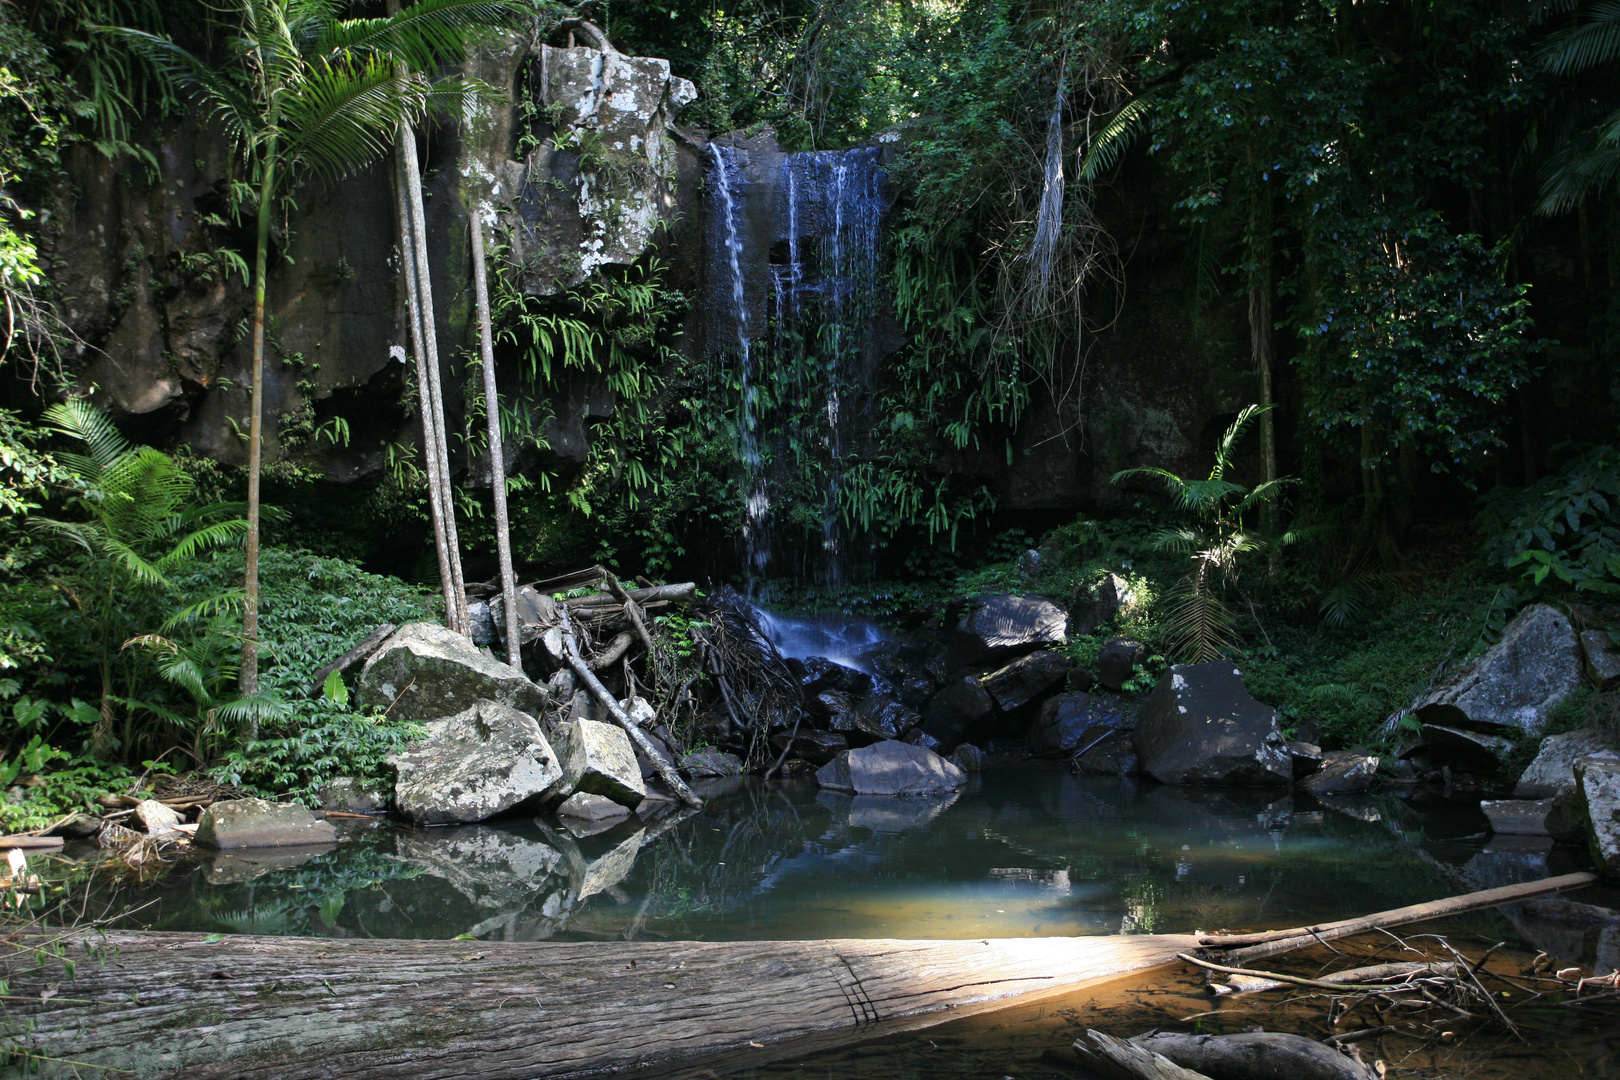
[(968, 758), (601, 761), (589, 807), (483, 629), (1025, 679), (1307, 758), (1094, 605), (1066, 720), (891, 768), (1516, 685), (1200, 726), (919, 737), (77, 827), (818, 747), (157, 819), (1468, 749), (1518, 817), (1117, 662), (258, 823), (796, 767), (711, 763), (1342, 772), (1597, 780), (1602, 658)]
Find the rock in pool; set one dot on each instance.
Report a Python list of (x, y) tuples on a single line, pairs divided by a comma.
[(891, 768)]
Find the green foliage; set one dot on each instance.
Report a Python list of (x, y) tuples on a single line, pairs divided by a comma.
[(1585, 143), (1566, 526)]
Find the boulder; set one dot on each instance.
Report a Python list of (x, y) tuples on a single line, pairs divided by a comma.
[(1516, 685), (711, 763), (1597, 782), (1602, 659), (601, 761), (1553, 770), (425, 672), (589, 807), (1200, 726), (1342, 772), (259, 823), (1065, 721), (1002, 626), (1118, 662), (483, 761), (902, 679), (536, 612), (968, 758), (351, 795), (1025, 679), (952, 712), (1105, 751), (919, 737), (157, 819), (482, 627), (1094, 605), (877, 717), (1518, 817), (816, 747), (1465, 749), (822, 674), (891, 768), (1307, 758)]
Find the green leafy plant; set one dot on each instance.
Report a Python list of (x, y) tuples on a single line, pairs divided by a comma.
[(1565, 526)]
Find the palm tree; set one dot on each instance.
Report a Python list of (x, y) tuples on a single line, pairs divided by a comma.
[(301, 93), (1586, 137)]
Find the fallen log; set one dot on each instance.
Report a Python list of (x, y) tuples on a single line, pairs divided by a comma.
[(1243, 981), (32, 843), (1256, 1054), (366, 646), (684, 593), (1119, 1059), (264, 1008), (1252, 946)]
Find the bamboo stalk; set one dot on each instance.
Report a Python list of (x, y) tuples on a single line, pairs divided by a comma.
[(497, 453)]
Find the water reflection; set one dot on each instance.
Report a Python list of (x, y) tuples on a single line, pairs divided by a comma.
[(1029, 851)]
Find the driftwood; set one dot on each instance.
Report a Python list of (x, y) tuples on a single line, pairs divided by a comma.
[(1253, 946), (683, 593), (612, 652), (32, 843), (267, 1008), (1118, 1059), (359, 652), (1257, 1054), (1243, 981)]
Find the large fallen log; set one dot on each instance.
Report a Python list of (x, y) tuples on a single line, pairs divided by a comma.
[(262, 1008)]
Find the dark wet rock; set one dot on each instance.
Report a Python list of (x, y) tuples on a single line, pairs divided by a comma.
[(76, 827), (1118, 662), (1553, 770), (999, 627), (817, 747), (822, 674), (1342, 772), (1518, 817), (425, 672), (881, 718), (711, 763), (920, 737), (832, 703), (951, 714), (480, 762), (351, 795), (796, 767), (601, 761), (1516, 685), (1307, 758), (1094, 605), (1465, 749), (1105, 751), (588, 807), (907, 679), (1602, 659), (890, 768), (1064, 720), (259, 823), (968, 758), (660, 738), (1200, 726), (1597, 782), (1025, 679)]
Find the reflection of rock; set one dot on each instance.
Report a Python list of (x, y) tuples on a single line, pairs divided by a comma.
[(883, 814), (494, 868), (235, 867), (1516, 685), (583, 806), (1357, 805), (1509, 860), (608, 870)]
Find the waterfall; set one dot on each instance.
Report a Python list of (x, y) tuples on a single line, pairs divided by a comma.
[(799, 239)]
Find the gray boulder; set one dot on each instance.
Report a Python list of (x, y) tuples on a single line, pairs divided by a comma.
[(1200, 726), (1065, 720), (1094, 605), (483, 761), (1516, 685), (588, 807), (1342, 772), (891, 768), (1465, 749), (1025, 679), (425, 672), (952, 712), (1602, 659), (1002, 626), (601, 761), (1597, 781), (259, 823), (706, 763), (1553, 770), (1118, 662), (157, 819)]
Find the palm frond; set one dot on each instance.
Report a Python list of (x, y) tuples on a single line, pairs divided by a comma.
[(216, 535), (1171, 481), (1127, 124), (78, 419), (228, 103), (1589, 44), (1225, 448), (426, 35), (1198, 625), (227, 601), (1181, 541), (1207, 494), (1265, 492), (343, 119)]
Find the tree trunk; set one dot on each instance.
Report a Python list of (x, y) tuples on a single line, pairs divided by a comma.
[(248, 674), (1260, 344), (430, 445), (497, 452), (459, 619)]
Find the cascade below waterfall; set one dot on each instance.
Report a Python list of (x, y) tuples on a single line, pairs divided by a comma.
[(796, 323)]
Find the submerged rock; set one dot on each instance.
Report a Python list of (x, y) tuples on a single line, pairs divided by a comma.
[(425, 672), (1025, 679), (891, 768), (1200, 726), (588, 807), (1516, 685), (259, 823), (601, 761), (481, 762)]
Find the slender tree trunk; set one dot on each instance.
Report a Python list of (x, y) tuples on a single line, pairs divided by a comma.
[(424, 386), (497, 453), (458, 617), (248, 675), (1260, 344)]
